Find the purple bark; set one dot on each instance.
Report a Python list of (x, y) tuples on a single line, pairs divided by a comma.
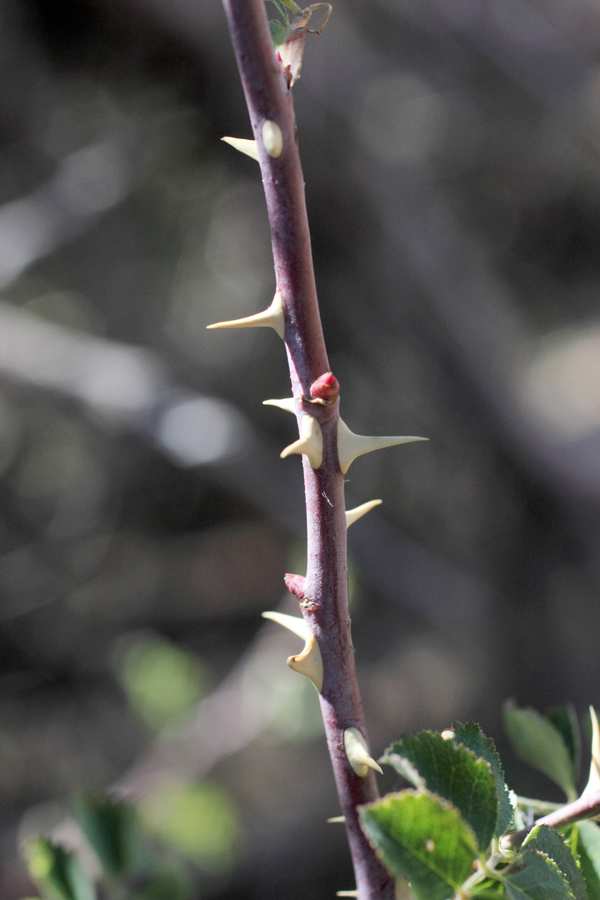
[(586, 807), (325, 603)]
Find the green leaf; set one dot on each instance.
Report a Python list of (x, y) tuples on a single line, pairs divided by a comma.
[(538, 742), (57, 872), (545, 840), (564, 719), (293, 6), (536, 877), (111, 828), (280, 8), (453, 772), (588, 847), (422, 838), (278, 32), (165, 885), (472, 737)]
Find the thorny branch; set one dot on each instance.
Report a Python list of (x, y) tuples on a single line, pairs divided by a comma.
[(295, 315)]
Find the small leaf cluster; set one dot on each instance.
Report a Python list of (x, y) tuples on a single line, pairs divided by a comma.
[(443, 837), (278, 29), (127, 866)]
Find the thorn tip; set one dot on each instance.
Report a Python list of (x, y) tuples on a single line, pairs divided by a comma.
[(292, 623), (287, 403), (352, 515), (272, 317), (250, 148), (351, 445), (358, 754)]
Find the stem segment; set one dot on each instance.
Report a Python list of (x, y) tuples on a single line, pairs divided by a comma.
[(586, 807), (325, 604)]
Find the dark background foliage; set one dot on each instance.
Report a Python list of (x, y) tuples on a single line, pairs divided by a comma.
[(451, 157)]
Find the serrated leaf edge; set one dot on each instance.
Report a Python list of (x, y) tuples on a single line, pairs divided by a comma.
[(520, 861), (426, 860), (419, 782)]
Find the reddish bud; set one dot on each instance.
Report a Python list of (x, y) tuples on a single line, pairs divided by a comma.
[(326, 388), (295, 585)]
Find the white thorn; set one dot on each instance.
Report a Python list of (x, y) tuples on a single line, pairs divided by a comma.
[(594, 779), (346, 894), (272, 138), (244, 146), (292, 623), (353, 514), (351, 445), (287, 403), (309, 662), (336, 819), (268, 318), (310, 442), (358, 753)]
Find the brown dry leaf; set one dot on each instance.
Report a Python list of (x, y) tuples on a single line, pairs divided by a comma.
[(290, 53)]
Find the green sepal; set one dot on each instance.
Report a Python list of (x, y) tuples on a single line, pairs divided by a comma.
[(534, 876), (293, 6), (545, 840), (588, 847), (538, 742), (564, 719), (57, 872), (422, 838), (472, 737), (452, 772), (111, 827), (278, 32)]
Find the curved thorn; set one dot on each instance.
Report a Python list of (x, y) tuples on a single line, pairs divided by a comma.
[(244, 146), (352, 515), (336, 819), (358, 754), (309, 662), (287, 403), (594, 779), (268, 318), (351, 445), (310, 442), (292, 623)]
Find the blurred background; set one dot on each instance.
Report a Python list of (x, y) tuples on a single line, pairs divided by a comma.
[(451, 151)]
